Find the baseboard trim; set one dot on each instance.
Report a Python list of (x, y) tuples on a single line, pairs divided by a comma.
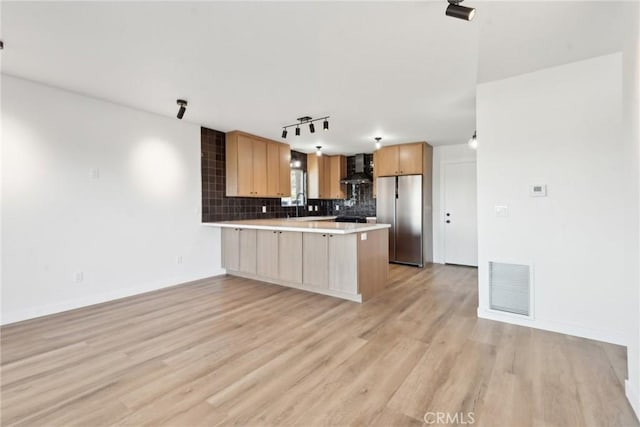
[(35, 312), (611, 337), (633, 397)]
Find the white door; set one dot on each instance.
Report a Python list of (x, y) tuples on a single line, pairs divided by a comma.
[(460, 214)]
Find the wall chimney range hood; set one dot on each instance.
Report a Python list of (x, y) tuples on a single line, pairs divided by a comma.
[(360, 176)]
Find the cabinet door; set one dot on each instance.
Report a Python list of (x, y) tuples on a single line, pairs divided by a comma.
[(273, 169), (338, 171), (387, 161), (314, 167), (245, 166), (315, 263), (231, 248), (247, 262), (259, 168), (290, 256), (343, 263), (284, 181), (410, 159), (325, 187), (267, 253)]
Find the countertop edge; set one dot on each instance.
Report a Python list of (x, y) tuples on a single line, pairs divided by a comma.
[(365, 227)]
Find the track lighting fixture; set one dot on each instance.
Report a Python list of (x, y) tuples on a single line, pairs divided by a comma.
[(378, 143), (318, 150), (306, 120), (473, 142), (183, 107), (1, 45), (461, 12)]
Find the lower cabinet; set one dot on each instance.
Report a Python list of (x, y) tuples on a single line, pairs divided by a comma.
[(279, 255), (330, 261), (239, 249)]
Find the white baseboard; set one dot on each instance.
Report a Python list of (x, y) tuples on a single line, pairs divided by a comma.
[(34, 312), (633, 397), (612, 337)]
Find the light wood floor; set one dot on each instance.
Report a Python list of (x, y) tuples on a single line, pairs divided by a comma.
[(234, 351)]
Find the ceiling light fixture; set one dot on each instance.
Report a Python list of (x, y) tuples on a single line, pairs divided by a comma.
[(306, 120), (378, 143), (473, 142), (183, 107), (318, 150), (461, 12)]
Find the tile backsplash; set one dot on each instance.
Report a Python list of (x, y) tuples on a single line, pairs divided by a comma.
[(217, 207)]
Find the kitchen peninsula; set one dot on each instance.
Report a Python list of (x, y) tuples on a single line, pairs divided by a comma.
[(344, 260)]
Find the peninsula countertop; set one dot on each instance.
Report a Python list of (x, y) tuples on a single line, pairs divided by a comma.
[(300, 226)]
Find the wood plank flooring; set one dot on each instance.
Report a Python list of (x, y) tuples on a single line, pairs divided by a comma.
[(231, 351)]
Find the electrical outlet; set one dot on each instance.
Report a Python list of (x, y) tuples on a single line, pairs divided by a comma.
[(78, 276), (315, 208), (310, 208), (264, 209), (337, 207), (363, 236), (179, 259), (94, 173), (502, 211)]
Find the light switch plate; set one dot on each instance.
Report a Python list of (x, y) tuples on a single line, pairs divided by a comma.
[(264, 209), (538, 190), (363, 236), (315, 208), (310, 208), (502, 211)]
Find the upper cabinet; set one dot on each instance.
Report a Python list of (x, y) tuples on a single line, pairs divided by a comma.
[(256, 167), (323, 177), (404, 159)]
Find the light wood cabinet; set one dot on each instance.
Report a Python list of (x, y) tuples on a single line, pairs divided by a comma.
[(267, 254), (247, 251), (403, 159), (331, 261), (352, 266), (231, 248), (323, 177), (278, 169), (279, 255), (315, 253), (290, 256), (256, 167), (343, 263), (239, 249)]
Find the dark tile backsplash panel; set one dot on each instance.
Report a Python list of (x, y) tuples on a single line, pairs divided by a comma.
[(217, 207)]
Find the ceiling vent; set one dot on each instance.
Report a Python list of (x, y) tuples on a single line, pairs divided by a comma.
[(510, 288)]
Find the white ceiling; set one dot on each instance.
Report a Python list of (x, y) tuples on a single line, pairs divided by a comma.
[(400, 70)]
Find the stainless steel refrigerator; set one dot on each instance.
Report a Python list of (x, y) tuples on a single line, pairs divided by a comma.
[(399, 203)]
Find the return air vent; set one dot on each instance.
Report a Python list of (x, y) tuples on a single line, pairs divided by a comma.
[(510, 288)]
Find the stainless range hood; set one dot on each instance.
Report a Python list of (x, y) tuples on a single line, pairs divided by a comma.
[(360, 176)]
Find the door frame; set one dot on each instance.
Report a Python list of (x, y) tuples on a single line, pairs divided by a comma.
[(441, 213)]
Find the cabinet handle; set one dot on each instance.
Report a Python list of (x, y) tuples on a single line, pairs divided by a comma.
[(324, 235)]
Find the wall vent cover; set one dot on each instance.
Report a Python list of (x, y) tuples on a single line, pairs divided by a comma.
[(510, 288)]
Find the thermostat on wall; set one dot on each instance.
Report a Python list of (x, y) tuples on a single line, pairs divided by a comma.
[(538, 190)]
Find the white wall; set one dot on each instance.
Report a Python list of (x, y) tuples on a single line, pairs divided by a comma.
[(442, 155), (562, 127), (124, 230)]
